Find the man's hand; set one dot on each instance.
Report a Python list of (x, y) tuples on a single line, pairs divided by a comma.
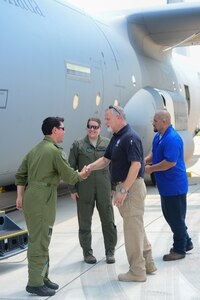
[(74, 196), (119, 199), (20, 193), (19, 203), (85, 172), (148, 169)]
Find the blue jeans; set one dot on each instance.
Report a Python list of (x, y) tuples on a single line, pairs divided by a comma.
[(174, 211)]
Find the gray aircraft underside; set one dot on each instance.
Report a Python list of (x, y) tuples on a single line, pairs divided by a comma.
[(56, 60)]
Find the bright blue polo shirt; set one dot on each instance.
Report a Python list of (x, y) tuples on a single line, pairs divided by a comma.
[(170, 147)]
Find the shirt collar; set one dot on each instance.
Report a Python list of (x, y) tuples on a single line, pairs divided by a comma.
[(121, 131), (49, 139)]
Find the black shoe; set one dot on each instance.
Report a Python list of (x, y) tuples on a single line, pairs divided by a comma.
[(50, 284), (42, 290)]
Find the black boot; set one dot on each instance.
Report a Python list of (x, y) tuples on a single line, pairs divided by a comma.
[(42, 290), (50, 284)]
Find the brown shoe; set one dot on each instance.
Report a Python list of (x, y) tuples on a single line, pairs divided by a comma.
[(189, 247), (150, 268), (90, 259), (173, 256), (130, 277)]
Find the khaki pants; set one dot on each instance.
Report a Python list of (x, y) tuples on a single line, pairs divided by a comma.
[(138, 248)]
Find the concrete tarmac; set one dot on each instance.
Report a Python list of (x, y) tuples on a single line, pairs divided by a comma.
[(175, 280)]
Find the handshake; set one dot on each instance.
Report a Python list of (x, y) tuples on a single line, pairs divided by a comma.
[(85, 172), (98, 164)]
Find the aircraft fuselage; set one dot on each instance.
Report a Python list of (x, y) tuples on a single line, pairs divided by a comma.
[(58, 61)]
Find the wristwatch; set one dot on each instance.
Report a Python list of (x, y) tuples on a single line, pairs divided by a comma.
[(123, 191)]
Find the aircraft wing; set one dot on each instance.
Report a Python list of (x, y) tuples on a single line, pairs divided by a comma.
[(168, 26)]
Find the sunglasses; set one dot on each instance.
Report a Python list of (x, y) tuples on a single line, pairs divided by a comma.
[(63, 128), (95, 127), (112, 107)]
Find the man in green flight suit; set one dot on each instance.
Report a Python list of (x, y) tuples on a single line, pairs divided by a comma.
[(37, 179), (95, 190)]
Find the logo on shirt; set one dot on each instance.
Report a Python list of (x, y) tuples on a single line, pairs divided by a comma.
[(117, 143)]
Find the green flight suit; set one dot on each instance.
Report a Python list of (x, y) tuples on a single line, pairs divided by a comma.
[(96, 188), (41, 171)]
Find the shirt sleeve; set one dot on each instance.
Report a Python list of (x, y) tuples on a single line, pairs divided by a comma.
[(133, 149), (66, 172), (21, 176), (107, 153), (73, 161)]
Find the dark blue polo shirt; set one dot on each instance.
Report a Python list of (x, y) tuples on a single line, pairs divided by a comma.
[(124, 147), (174, 181)]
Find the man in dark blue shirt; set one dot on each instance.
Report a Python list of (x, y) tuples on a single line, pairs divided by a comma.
[(125, 153), (170, 174)]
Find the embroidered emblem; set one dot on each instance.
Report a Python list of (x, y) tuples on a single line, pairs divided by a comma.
[(117, 144)]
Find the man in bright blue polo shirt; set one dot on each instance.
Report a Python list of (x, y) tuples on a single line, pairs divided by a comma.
[(170, 174)]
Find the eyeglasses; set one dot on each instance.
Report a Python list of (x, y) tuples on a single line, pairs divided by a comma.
[(112, 107), (95, 127), (63, 128)]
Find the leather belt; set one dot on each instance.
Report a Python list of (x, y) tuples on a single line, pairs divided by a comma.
[(118, 182)]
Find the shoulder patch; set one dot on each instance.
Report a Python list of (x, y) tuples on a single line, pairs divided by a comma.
[(64, 155)]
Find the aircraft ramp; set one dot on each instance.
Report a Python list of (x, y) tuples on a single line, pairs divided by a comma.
[(175, 280), (13, 240)]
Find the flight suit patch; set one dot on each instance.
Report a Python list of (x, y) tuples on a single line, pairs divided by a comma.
[(89, 150), (64, 155)]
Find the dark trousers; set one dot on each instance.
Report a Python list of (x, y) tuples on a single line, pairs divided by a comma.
[(174, 211)]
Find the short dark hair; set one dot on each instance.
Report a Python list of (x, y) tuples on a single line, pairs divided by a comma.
[(95, 120), (49, 123)]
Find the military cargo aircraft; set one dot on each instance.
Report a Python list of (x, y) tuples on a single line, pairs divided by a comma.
[(57, 60)]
